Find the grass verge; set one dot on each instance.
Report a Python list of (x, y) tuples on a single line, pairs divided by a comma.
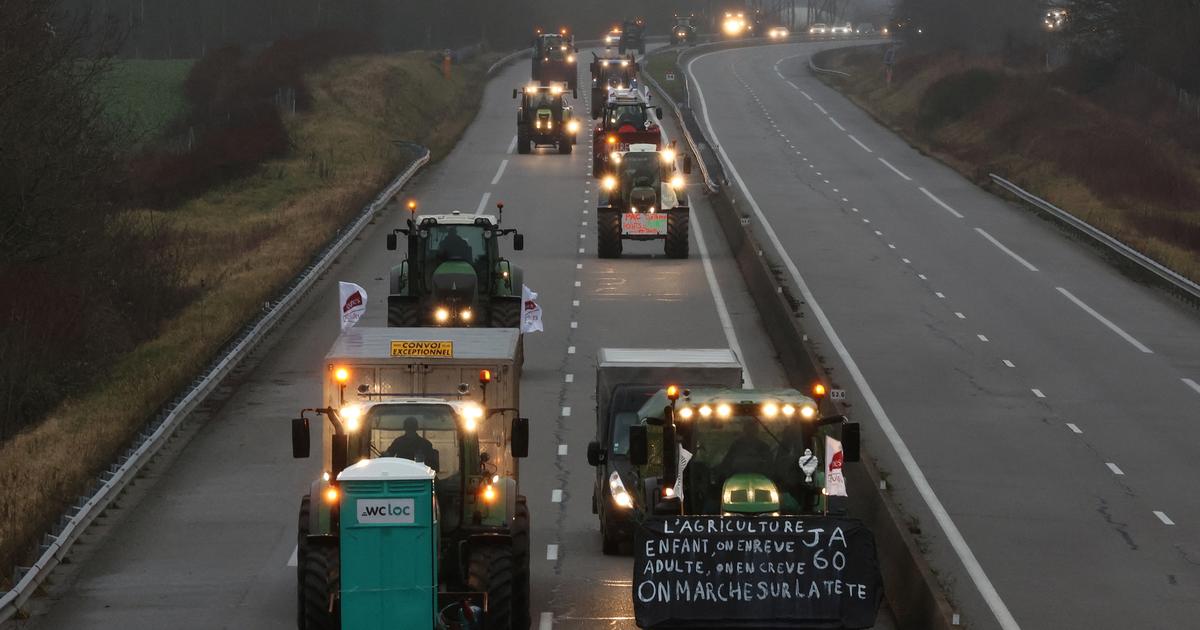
[(1111, 152), (659, 64), (146, 95), (240, 244)]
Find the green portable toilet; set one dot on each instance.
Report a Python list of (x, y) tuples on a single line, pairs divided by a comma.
[(389, 542)]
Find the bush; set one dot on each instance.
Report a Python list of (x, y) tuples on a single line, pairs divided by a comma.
[(955, 96)]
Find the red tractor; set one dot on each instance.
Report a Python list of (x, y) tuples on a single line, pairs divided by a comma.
[(627, 119)]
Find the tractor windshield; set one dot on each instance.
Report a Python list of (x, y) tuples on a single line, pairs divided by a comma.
[(465, 243), (543, 100), (420, 432), (641, 169), (633, 115)]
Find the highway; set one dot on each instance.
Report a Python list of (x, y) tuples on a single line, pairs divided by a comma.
[(1036, 410), (205, 538)]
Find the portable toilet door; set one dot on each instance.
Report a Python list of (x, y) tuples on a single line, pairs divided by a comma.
[(389, 542)]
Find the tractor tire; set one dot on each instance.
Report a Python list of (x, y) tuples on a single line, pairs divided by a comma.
[(301, 552), (677, 235), (322, 579), (609, 545), (522, 144), (608, 234), (564, 146), (620, 49), (506, 313), (521, 601), (642, 49), (403, 315), (490, 570), (597, 165)]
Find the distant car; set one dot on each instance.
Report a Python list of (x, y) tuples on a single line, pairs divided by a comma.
[(866, 29), (818, 29), (844, 29), (612, 37), (778, 32)]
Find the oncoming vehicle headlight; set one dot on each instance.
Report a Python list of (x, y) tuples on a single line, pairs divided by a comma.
[(442, 315), (609, 183), (677, 182), (619, 494), (351, 417)]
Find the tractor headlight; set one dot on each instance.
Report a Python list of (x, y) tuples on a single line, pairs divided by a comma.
[(573, 126), (770, 410), (789, 410), (705, 411), (351, 416), (724, 410), (624, 63), (807, 412), (609, 183), (615, 157), (668, 155), (686, 413), (677, 182), (619, 494), (570, 58), (442, 315), (489, 493), (471, 414), (612, 139), (556, 89), (466, 315)]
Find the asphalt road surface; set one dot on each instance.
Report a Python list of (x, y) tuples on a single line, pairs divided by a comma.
[(1037, 410), (205, 538)]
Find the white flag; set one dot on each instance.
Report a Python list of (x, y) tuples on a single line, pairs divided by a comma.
[(353, 303), (531, 311), (684, 457), (835, 482)]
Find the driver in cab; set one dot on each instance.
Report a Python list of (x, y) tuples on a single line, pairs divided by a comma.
[(454, 247), (412, 446), (748, 453)]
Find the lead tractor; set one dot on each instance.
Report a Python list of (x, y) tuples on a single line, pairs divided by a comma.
[(611, 72), (453, 273), (627, 119), (554, 59), (545, 119), (644, 198), (633, 36)]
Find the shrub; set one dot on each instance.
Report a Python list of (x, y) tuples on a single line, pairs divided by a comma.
[(955, 96)]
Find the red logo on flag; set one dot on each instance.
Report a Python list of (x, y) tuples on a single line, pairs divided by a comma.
[(836, 462), (354, 301)]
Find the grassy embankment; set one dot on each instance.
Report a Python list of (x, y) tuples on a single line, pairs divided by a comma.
[(658, 65), (1106, 147), (240, 244), (147, 95)]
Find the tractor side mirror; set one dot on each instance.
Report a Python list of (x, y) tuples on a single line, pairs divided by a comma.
[(596, 455), (339, 446), (638, 451), (851, 442), (687, 165), (391, 242), (514, 92), (518, 242), (300, 438), (658, 112), (520, 437)]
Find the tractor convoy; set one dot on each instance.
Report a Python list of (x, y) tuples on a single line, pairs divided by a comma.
[(417, 518)]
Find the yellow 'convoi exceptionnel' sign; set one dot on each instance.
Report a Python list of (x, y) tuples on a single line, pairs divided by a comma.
[(439, 349)]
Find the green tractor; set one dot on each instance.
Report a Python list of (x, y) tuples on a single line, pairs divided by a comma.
[(644, 198), (453, 274), (545, 119), (438, 536)]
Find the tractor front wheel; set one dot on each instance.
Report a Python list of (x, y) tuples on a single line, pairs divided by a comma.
[(506, 313), (322, 579), (490, 571), (522, 144), (564, 146), (677, 234), (520, 598), (608, 234), (402, 315), (301, 553)]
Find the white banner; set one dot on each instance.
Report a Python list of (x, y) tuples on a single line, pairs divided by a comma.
[(684, 457), (835, 482), (353, 303), (531, 311)]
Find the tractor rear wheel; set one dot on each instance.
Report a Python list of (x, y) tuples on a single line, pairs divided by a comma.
[(506, 313), (520, 597), (322, 579), (522, 144), (564, 146), (402, 315), (490, 570), (301, 552), (677, 234), (608, 234)]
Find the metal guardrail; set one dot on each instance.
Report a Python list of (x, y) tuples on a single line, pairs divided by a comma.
[(1176, 280), (507, 59), (709, 182), (156, 434)]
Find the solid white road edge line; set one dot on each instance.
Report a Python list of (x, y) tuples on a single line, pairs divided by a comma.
[(500, 172), (294, 559), (1006, 250), (941, 203), (483, 202), (552, 552), (953, 535), (896, 170), (1193, 384), (1103, 320)]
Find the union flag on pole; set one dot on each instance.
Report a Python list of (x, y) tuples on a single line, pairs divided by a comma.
[(353, 302)]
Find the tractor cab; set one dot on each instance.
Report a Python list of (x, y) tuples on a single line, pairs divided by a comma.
[(732, 451), (633, 36), (627, 119), (683, 31), (554, 58), (643, 198), (454, 273), (611, 73), (545, 119)]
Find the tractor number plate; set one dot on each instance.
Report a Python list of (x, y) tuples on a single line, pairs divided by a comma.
[(644, 223), (437, 349)]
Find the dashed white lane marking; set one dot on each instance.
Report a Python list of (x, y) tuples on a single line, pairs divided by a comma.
[(578, 283), (579, 265), (570, 349), (292, 561), (922, 276), (582, 235), (569, 378), (941, 203), (500, 172), (859, 143), (1115, 470), (580, 250), (959, 315), (512, 146), (906, 261), (891, 246), (823, 110), (574, 324), (1073, 428), (574, 302), (1104, 320), (836, 123), (562, 449), (1037, 392), (982, 338), (878, 233), (552, 552), (975, 570), (896, 170), (566, 412), (940, 295), (1193, 384), (546, 622), (556, 496), (1009, 363), (1166, 520), (805, 94), (483, 202), (1015, 256)]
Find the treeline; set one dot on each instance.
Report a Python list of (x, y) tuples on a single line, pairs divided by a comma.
[(189, 28)]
